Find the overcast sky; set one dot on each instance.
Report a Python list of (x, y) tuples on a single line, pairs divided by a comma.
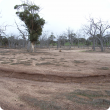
[(59, 14)]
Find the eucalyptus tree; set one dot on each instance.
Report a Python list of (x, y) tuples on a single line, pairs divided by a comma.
[(29, 14)]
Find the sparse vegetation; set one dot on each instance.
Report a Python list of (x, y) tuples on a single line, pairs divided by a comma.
[(43, 105), (79, 61), (5, 62), (95, 98), (44, 63), (103, 68), (33, 59), (64, 67), (14, 63)]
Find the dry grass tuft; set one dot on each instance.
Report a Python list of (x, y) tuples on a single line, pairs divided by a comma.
[(79, 61), (44, 63), (43, 105), (103, 68)]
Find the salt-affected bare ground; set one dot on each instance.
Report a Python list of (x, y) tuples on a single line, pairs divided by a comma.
[(53, 80)]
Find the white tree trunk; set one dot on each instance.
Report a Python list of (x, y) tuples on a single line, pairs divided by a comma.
[(32, 45)]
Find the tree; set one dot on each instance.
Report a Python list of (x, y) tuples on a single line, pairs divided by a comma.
[(12, 41), (107, 37), (43, 39), (3, 27), (30, 16), (101, 28), (51, 38), (23, 34), (97, 30), (71, 36), (3, 41), (91, 30), (78, 35), (62, 39)]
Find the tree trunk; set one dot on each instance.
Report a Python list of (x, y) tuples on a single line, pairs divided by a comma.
[(70, 45), (64, 42), (32, 46), (78, 42), (108, 43), (57, 45), (28, 46), (102, 47), (93, 44)]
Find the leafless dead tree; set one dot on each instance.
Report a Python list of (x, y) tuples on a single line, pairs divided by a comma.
[(96, 30)]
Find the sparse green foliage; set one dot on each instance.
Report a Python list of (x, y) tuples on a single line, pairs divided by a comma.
[(32, 20)]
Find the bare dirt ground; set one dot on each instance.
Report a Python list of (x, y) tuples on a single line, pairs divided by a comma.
[(76, 79)]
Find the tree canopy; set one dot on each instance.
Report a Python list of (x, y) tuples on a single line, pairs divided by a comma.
[(29, 14)]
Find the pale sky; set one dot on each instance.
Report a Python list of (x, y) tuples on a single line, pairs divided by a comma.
[(59, 14)]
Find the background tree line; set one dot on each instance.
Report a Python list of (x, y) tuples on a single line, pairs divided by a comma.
[(94, 34)]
